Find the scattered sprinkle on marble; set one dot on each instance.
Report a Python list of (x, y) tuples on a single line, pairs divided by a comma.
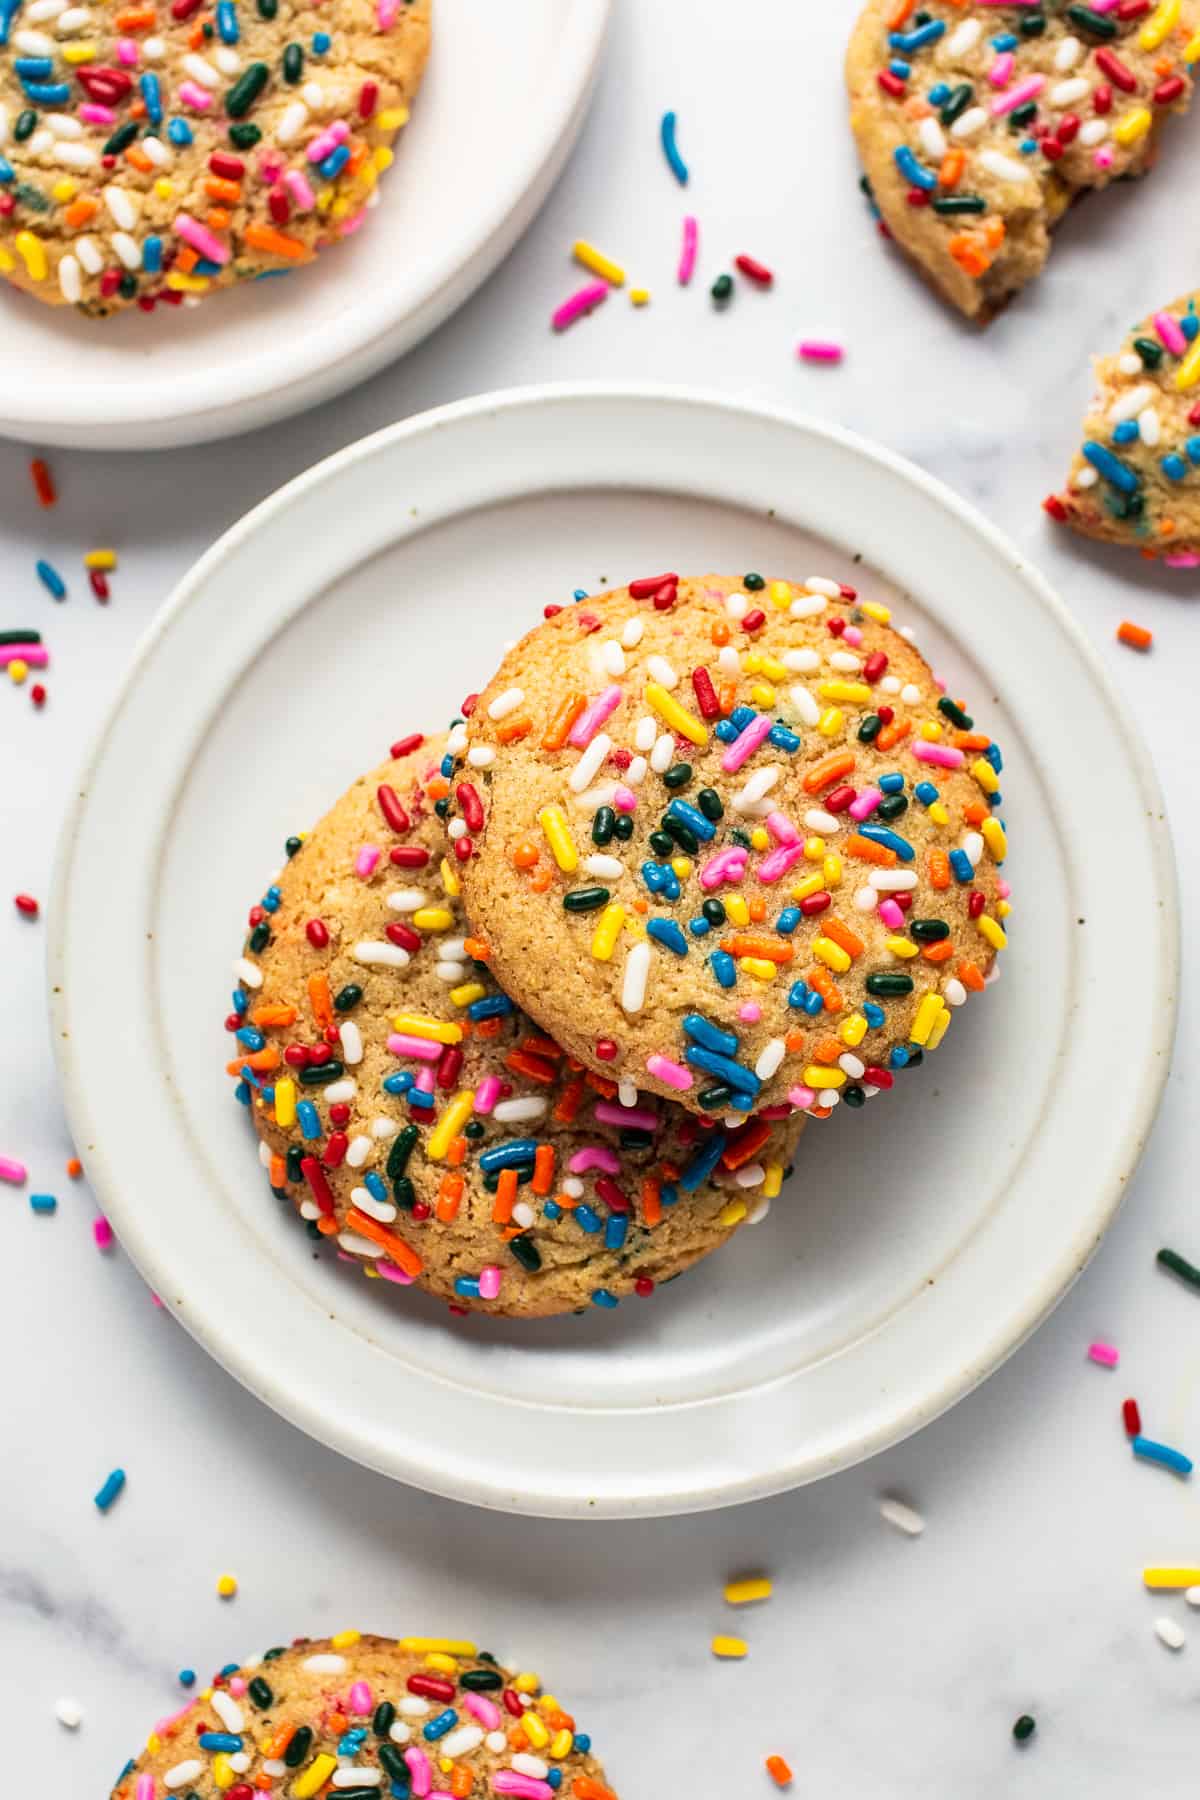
[(1170, 1634), (904, 1518), (68, 1712)]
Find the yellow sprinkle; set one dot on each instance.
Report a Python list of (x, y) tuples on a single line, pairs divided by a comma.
[(547, 1703), (100, 559), (639, 296), (223, 1775), (853, 1030), (676, 716), (781, 594), (227, 1586), (1191, 50), (938, 813), (729, 1646), (1003, 908), (762, 694), (7, 262), (368, 175), (1161, 22), (450, 1646), (760, 837), (553, 821), (831, 871), (18, 669), (731, 1214), (164, 188), (1188, 372), (324, 199), (812, 884), (814, 849), (453, 1118), (851, 693), (535, 1731), (340, 207), (759, 967), (187, 284), (527, 1683), (154, 1742), (468, 993), (901, 946), (941, 1026), (1133, 125), (432, 918), (32, 252), (561, 1744), (285, 1102), (752, 662), (989, 929), (1156, 1577), (344, 1639), (818, 1075), (608, 930), (831, 722), (600, 265), (314, 1777), (64, 190), (930, 730), (773, 1181), (736, 909), (392, 118), (774, 670), (881, 614), (743, 1593), (682, 866), (985, 775), (445, 1665), (924, 1018), (831, 954), (450, 881), (992, 833), (79, 53), (442, 1031)]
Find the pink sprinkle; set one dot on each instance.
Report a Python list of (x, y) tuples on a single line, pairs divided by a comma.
[(270, 167), (486, 1711), (1017, 96), (424, 1080), (1103, 158), (1105, 1354), (1004, 888), (864, 804), (366, 861), (354, 223), (422, 1049), (802, 1097), (891, 915), (127, 52), (726, 865), (584, 301), (1183, 559), (675, 1076), (750, 1013), (145, 1788), (237, 1686), (155, 1300), (490, 1277), (200, 238), (524, 1787), (193, 95), (595, 1156), (819, 350), (852, 636), (781, 828), (944, 755), (418, 1768), (593, 716), (385, 14), (36, 655), (360, 1699), (487, 1094), (746, 743), (95, 114), (641, 1118), (624, 799), (102, 1231), (297, 185), (172, 1719), (1167, 327), (779, 862), (687, 255), (12, 1171), (390, 1272), (1001, 70)]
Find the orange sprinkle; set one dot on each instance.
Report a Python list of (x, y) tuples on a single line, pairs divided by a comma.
[(278, 1172), (140, 18), (827, 1051), (276, 243), (521, 1063), (970, 977), (953, 164), (138, 108), (320, 999), (358, 157), (794, 1041), (261, 1061), (80, 211), (218, 218), (524, 855), (273, 1013), (449, 1198), (74, 1168), (893, 733), (456, 1156), (938, 953), (217, 188), (437, 787), (776, 950), (461, 1782), (281, 1740), (327, 1226), (757, 910), (971, 740), (652, 1206), (477, 949), (567, 1201), (402, 1254), (601, 1084), (726, 697), (569, 1102), (506, 1197), (720, 633), (543, 1169), (585, 1788), (559, 728), (138, 160), (867, 850), (513, 730), (903, 11), (186, 259), (820, 979), (538, 1044), (939, 869), (540, 880), (778, 1770), (641, 906), (487, 1028), (1136, 636), (746, 1144), (974, 812), (842, 935), (830, 769)]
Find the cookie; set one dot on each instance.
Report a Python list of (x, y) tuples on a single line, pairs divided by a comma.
[(979, 124), (418, 1120), (162, 150), (428, 1718), (1135, 479), (730, 841)]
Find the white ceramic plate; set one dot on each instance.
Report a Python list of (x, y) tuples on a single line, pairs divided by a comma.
[(919, 1242), (503, 99)]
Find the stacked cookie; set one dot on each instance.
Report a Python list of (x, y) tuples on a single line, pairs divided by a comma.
[(535, 1015)]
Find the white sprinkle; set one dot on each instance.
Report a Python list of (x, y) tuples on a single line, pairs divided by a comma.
[(904, 1518), (637, 969), (460, 1742), (933, 138), (910, 694), (400, 1733), (227, 59), (248, 973), (1068, 54), (33, 43), (533, 1766), (644, 733), (352, 1044), (729, 662), (456, 739), (518, 1112), (413, 1707), (506, 703), (264, 1153), (852, 1066), (364, 1199), (970, 123), (1131, 402), (822, 584), (749, 798), (157, 151), (324, 1664), (73, 19), (455, 947), (1150, 427), (120, 204), (309, 1209), (154, 49), (806, 606), (292, 121), (660, 670), (572, 1187), (627, 1093), (635, 774), (964, 37), (816, 820), (88, 252), (770, 1059), (1130, 363), (801, 662), (126, 248), (523, 1214), (69, 1713), (1087, 477), (316, 99), (892, 881), (890, 684), (70, 280), (482, 756), (1066, 93), (359, 1246), (750, 1175), (632, 632), (338, 1092), (601, 795), (607, 866), (63, 125), (450, 972), (973, 845), (590, 763), (663, 753), (351, 1776), (804, 703), (226, 1709), (41, 10), (1192, 1596), (456, 828), (845, 662), (392, 956), (612, 657), (1170, 1634), (737, 605), (1094, 132), (199, 70), (183, 1773), (407, 899), (866, 900), (954, 993)]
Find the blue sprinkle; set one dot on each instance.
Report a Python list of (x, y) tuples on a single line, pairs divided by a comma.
[(351, 1742), (788, 920), (206, 266), (468, 1287), (179, 132), (660, 878), (579, 594), (588, 1219), (552, 1210), (1174, 466), (251, 1036), (230, 1669), (373, 1183), (724, 968), (43, 1203), (583, 1742), (1127, 432), (939, 93), (1027, 146), (320, 42), (110, 1490), (703, 1031), (725, 731), (798, 995), (675, 162), (670, 1193), (554, 1778), (743, 1081), (962, 866), (399, 1083), (7, 172), (783, 739), (50, 93), (268, 1094), (447, 766), (1119, 474), (926, 792), (1189, 325), (34, 68), (508, 1156), (50, 578), (874, 1015), (241, 1093), (879, 834), (333, 165), (900, 69), (890, 784), (419, 1098), (992, 755), (1163, 1454), (918, 39), (1193, 449), (220, 1740), (898, 1057), (740, 717), (151, 95), (310, 1119), (241, 1000), (703, 1163), (187, 1677), (437, 1728), (270, 900), (7, 9), (227, 24), (693, 818), (699, 926), (602, 1297), (1006, 41), (615, 1230), (496, 1006), (667, 933)]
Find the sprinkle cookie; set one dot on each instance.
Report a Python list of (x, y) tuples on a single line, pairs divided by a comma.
[(158, 151), (730, 841), (417, 1119), (361, 1717), (978, 124), (1135, 478)]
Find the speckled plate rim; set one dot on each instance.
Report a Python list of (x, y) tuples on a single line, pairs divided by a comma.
[(609, 1462)]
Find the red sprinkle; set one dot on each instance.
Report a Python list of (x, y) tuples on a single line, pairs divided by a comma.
[(335, 1150), (463, 848), (390, 807), (1054, 506), (753, 270), (1102, 98), (408, 856), (313, 1173), (512, 1704), (339, 1114), (1117, 72), (706, 697), (839, 799), (606, 1050), (1168, 90), (877, 1077), (406, 745), (279, 206), (975, 904), (875, 665), (1133, 9), (449, 1064), (368, 94), (99, 583), (1132, 1418), (1051, 149), (431, 1687), (231, 167), (813, 904), (472, 806), (611, 1194), (37, 694), (643, 1286), (836, 625), (646, 586), (917, 197), (755, 620), (397, 932), (666, 596), (551, 612), (891, 84), (43, 482), (317, 933), (25, 903), (1068, 128)]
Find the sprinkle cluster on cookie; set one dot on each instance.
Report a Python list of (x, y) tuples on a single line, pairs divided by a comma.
[(419, 1120), (729, 839), (362, 1717), (155, 150)]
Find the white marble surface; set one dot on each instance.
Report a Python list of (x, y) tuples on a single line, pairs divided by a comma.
[(883, 1667)]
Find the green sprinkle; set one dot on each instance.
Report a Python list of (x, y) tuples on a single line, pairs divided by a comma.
[(585, 899), (26, 125), (384, 1719), (321, 1074), (1179, 1265), (683, 835), (678, 775), (1034, 25), (603, 825), (390, 1759), (121, 138), (722, 289), (753, 583), (1021, 116), (347, 998), (293, 63), (888, 986), (260, 937), (892, 806), (244, 137), (260, 1693), (292, 845), (960, 203), (480, 1681), (267, 9), (662, 843), (1026, 1725), (299, 1747), (32, 197), (1150, 352), (870, 728), (623, 829), (402, 1148), (955, 713), (714, 911), (1095, 22), (246, 89), (928, 931), (960, 98), (709, 802), (292, 1162), (20, 637), (526, 1253), (853, 1095)]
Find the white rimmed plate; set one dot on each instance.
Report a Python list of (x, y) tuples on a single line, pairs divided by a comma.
[(503, 99), (919, 1242)]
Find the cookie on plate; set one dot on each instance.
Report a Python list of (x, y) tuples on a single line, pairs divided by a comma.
[(978, 124), (730, 841), (1135, 478), (161, 150), (361, 1717), (415, 1117)]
